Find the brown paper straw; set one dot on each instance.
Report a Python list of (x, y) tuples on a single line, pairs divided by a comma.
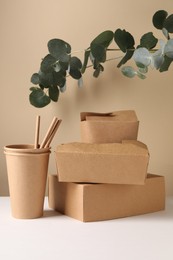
[(49, 131), (37, 131), (53, 133)]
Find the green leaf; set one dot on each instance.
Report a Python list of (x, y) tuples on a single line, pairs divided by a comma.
[(158, 19), (98, 52), (74, 73), (35, 79), (165, 65), (124, 40), (46, 79), (64, 65), (99, 45), (59, 49), (168, 23), (54, 93), (127, 57), (75, 63), (75, 67), (142, 56), (148, 41), (128, 71), (157, 59), (98, 70), (48, 63), (38, 98), (141, 67), (140, 75), (96, 63), (59, 79), (168, 50), (103, 39), (86, 57)]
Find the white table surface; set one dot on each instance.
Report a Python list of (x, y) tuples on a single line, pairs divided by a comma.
[(55, 236)]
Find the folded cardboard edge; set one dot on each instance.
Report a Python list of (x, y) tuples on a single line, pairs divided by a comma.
[(83, 115), (103, 147)]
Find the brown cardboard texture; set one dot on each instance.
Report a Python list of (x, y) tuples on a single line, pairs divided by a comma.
[(110, 127), (27, 176), (95, 202), (119, 163)]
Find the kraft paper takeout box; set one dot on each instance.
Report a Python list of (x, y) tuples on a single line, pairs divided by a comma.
[(95, 202), (120, 163), (109, 127)]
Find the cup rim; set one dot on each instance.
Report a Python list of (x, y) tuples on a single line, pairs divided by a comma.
[(25, 148)]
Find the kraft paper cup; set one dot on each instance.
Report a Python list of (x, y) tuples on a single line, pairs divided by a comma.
[(27, 175)]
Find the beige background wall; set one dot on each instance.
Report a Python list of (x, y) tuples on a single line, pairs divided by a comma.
[(26, 27)]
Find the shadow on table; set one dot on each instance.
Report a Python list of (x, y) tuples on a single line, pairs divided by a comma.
[(51, 213)]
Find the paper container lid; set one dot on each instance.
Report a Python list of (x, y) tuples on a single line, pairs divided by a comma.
[(25, 148)]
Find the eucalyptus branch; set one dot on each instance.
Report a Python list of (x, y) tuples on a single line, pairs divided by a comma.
[(61, 62)]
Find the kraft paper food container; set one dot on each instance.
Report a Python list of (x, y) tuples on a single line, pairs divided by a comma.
[(96, 202), (108, 127), (118, 163), (27, 175)]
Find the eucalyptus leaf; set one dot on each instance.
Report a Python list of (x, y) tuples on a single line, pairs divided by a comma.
[(96, 64), (48, 63), (103, 39), (158, 19), (99, 45), (141, 67), (76, 74), (35, 79), (168, 50), (38, 98), (59, 49), (127, 57), (75, 67), (166, 64), (124, 40), (143, 70), (64, 65), (75, 63), (46, 79), (54, 93), (57, 67), (143, 56), (59, 79), (98, 52), (98, 70), (168, 23), (148, 41), (128, 71), (140, 75), (158, 59)]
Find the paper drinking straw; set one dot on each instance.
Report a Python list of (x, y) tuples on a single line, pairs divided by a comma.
[(53, 133), (37, 131), (49, 131)]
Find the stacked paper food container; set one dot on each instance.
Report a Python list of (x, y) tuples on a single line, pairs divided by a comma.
[(105, 176)]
